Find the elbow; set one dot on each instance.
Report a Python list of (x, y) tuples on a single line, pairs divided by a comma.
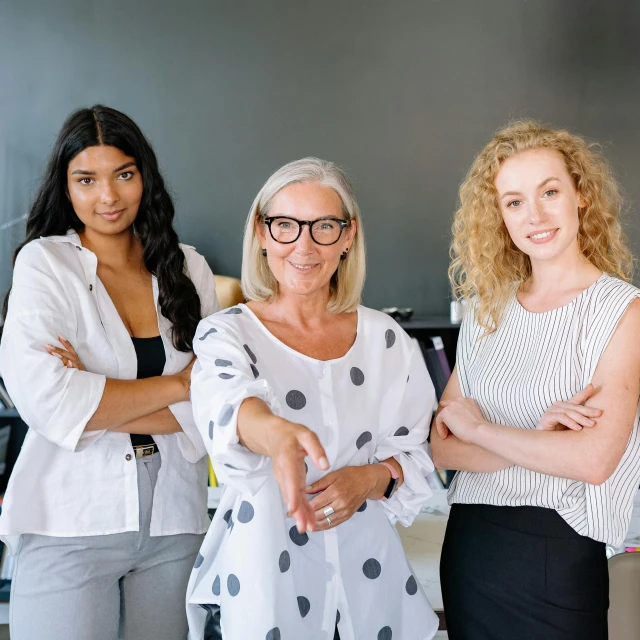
[(599, 473)]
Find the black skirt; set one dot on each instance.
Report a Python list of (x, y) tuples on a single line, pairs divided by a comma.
[(521, 573)]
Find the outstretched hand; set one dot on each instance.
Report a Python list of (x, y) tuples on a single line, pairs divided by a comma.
[(289, 444)]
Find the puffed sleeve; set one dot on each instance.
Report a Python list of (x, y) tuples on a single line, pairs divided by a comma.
[(406, 442), (189, 440), (54, 401), (222, 378)]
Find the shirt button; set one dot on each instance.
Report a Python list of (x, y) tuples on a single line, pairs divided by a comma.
[(127, 457), (90, 287)]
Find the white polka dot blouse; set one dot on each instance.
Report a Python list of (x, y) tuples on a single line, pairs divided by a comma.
[(270, 582)]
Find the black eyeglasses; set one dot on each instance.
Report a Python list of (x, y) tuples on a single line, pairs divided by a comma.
[(324, 231)]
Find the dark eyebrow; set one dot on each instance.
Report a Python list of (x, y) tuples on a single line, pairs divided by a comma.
[(84, 172), (515, 193), (125, 166)]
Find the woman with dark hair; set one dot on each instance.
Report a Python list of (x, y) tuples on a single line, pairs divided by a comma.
[(106, 506)]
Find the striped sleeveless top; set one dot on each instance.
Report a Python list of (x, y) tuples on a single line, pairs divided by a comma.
[(517, 373)]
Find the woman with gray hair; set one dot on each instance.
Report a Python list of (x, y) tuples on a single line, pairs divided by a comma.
[(315, 411)]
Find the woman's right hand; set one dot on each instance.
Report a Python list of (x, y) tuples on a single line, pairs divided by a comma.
[(571, 414), (288, 444), (185, 378)]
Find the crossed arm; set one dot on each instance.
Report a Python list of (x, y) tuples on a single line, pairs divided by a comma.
[(585, 454)]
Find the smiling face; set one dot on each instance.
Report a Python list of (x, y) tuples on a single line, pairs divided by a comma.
[(304, 267), (105, 189), (539, 204)]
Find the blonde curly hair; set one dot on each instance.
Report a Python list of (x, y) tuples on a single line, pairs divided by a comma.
[(486, 264)]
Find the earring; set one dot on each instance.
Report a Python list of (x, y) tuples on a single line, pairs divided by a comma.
[(264, 253), (343, 256)]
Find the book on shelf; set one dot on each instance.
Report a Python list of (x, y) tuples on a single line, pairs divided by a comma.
[(4, 396), (437, 372)]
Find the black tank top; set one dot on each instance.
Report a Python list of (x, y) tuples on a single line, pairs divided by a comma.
[(151, 361)]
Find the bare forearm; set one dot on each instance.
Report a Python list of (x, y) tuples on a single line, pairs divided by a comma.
[(577, 455), (126, 400), (157, 423), (456, 455), (256, 425)]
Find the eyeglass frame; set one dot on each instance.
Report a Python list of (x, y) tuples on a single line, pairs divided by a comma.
[(301, 223)]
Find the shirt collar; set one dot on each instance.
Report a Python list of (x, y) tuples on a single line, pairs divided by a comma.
[(71, 237)]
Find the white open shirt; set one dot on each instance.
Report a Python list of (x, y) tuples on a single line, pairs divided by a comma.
[(68, 482)]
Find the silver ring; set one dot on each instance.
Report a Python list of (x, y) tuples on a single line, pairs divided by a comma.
[(328, 511), (329, 521)]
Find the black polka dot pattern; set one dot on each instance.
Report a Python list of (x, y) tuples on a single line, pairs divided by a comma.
[(228, 519), (230, 466), (255, 371), (215, 588), (298, 538), (303, 605), (245, 512), (411, 586), (226, 413), (211, 429), (223, 363), (296, 400), (362, 507), (357, 377), (390, 338), (250, 353), (384, 633), (274, 634), (284, 561), (402, 431), (337, 618), (306, 468), (199, 561), (226, 376), (234, 311), (208, 333), (363, 438), (371, 568), (233, 585)]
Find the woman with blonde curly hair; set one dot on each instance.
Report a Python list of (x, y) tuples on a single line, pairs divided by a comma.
[(541, 416)]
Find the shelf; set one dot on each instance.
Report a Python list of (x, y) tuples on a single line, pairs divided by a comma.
[(428, 322), (9, 413)]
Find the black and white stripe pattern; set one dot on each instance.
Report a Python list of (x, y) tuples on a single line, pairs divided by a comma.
[(516, 373)]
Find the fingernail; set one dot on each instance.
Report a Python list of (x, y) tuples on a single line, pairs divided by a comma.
[(56, 354), (62, 338), (49, 346), (324, 463)]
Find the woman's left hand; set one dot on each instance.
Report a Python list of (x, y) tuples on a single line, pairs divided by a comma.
[(461, 416), (345, 491), (67, 356)]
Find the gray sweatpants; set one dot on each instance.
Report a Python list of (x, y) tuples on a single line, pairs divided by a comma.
[(126, 585)]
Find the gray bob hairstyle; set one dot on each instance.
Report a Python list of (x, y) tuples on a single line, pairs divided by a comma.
[(258, 282)]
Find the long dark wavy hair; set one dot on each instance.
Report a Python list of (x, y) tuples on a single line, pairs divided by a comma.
[(52, 214)]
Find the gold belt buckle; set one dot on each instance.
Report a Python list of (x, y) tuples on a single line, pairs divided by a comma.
[(144, 451)]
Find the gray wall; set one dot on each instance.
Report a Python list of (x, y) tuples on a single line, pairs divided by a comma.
[(402, 94)]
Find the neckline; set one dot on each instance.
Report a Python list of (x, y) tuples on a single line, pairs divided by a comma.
[(299, 353), (564, 306), (134, 338)]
